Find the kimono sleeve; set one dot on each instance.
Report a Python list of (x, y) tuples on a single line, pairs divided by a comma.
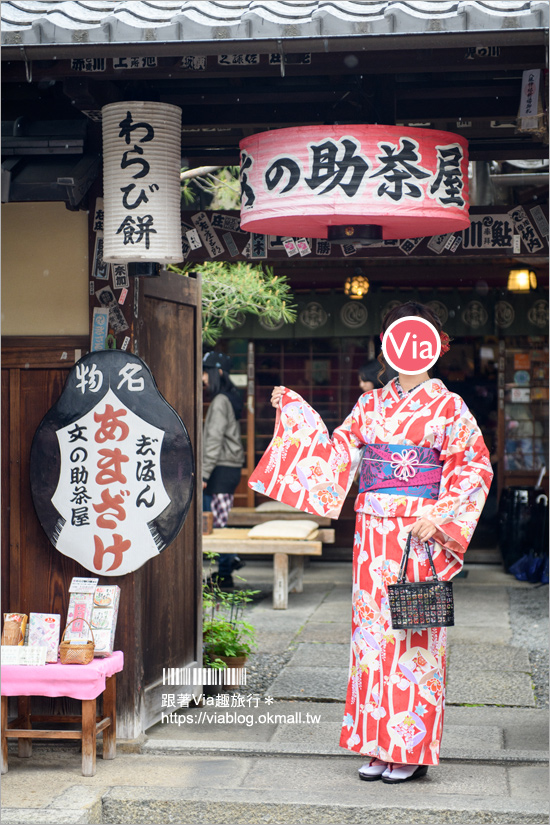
[(465, 482), (303, 466)]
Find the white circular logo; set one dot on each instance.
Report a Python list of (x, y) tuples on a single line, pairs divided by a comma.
[(411, 345)]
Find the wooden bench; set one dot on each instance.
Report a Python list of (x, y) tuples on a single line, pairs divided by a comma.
[(26, 681), (249, 517), (288, 556)]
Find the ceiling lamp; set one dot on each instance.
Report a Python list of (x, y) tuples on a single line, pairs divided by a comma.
[(356, 286), (354, 184), (521, 280)]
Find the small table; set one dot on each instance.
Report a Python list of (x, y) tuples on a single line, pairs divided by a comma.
[(83, 682)]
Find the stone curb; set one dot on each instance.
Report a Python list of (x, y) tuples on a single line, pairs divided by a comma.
[(127, 805), (207, 747), (75, 806)]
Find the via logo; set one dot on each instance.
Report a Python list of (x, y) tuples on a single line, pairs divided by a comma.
[(411, 345)]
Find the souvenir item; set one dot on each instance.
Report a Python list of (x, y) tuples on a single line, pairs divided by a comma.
[(44, 630), (81, 603), (78, 651), (104, 618), (13, 632)]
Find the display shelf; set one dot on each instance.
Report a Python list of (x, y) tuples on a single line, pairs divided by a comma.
[(523, 414)]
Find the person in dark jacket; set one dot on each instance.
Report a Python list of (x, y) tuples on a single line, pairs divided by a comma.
[(223, 454), (373, 375)]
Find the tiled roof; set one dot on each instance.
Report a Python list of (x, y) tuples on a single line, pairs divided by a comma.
[(46, 22)]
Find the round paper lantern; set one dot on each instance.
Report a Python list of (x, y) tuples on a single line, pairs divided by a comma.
[(141, 182), (354, 184)]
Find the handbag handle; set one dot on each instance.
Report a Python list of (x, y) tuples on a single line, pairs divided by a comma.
[(405, 559), (79, 619)]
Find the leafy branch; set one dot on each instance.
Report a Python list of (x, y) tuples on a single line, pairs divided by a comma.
[(232, 290), (221, 183)]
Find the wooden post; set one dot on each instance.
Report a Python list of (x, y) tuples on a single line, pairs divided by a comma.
[(250, 419), (88, 737), (296, 574), (4, 739), (24, 746), (109, 709), (280, 581)]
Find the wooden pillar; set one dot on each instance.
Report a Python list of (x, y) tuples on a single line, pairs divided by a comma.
[(24, 746), (250, 422), (88, 737), (4, 738), (280, 581), (109, 709)]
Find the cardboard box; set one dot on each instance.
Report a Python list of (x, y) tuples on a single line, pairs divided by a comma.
[(80, 607), (44, 630), (104, 618)]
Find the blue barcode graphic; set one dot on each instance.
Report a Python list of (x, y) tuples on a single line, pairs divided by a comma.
[(203, 676)]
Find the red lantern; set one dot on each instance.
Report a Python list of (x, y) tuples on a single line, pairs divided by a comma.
[(354, 184)]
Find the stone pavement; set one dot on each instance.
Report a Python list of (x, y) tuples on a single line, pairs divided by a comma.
[(280, 762)]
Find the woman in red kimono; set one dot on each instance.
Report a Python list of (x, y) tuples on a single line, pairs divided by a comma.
[(425, 470)]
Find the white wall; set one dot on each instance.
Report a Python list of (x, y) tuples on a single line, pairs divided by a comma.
[(45, 271)]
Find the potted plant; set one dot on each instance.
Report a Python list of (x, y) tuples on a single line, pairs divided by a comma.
[(228, 638)]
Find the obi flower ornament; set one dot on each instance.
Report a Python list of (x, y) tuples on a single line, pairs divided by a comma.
[(405, 465)]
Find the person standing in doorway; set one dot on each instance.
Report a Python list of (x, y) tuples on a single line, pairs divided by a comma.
[(374, 374), (223, 453), (425, 472)]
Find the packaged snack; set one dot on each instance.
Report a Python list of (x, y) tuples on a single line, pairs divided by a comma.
[(104, 618), (14, 628), (44, 629), (80, 606)]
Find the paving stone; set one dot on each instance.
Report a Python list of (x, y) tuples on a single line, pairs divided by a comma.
[(464, 634), (340, 775), (528, 781), (489, 688), (298, 682), (339, 611), (482, 738), (482, 657), (320, 655), (334, 632)]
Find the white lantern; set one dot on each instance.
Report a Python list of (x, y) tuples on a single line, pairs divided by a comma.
[(141, 182)]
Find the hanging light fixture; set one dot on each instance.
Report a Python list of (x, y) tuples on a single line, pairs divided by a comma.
[(141, 184), (358, 184), (521, 280), (357, 285)]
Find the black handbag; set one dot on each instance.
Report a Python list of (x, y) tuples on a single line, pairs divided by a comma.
[(420, 604)]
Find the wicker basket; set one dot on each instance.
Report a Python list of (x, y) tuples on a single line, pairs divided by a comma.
[(420, 604), (70, 654)]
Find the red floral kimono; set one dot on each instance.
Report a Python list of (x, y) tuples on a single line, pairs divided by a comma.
[(395, 698)]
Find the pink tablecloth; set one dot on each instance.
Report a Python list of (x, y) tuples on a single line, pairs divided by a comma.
[(75, 681)]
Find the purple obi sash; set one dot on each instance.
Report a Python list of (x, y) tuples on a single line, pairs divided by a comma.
[(401, 469)]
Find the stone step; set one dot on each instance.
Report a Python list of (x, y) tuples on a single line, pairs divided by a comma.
[(294, 794), (511, 756)]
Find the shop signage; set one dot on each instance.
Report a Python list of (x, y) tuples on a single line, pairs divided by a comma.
[(302, 181), (496, 232), (141, 182), (112, 470)]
